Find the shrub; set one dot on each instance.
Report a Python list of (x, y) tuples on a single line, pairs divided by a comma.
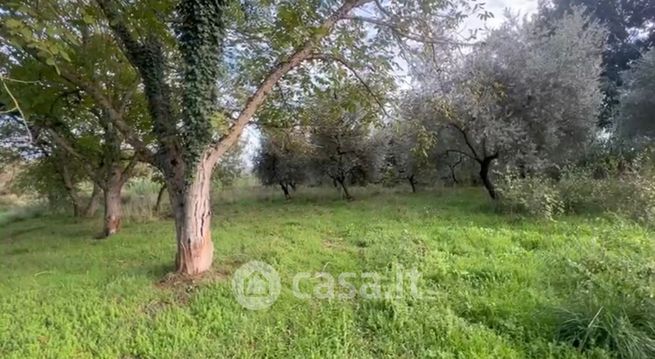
[(627, 189), (637, 198), (535, 196), (581, 193)]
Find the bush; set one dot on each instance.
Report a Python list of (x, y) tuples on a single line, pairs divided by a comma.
[(534, 196), (638, 199), (580, 193), (627, 190)]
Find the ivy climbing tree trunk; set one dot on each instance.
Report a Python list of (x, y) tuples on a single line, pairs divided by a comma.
[(188, 148)]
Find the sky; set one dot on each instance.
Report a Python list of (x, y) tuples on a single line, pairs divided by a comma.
[(497, 7)]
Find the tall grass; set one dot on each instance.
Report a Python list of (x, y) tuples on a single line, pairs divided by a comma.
[(619, 324), (139, 199), (18, 213)]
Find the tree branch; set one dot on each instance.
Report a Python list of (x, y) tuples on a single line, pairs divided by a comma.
[(404, 33), (466, 140), (342, 61), (67, 147), (95, 91), (127, 171), (148, 59), (275, 75)]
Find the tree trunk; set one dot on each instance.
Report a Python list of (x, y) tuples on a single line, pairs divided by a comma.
[(71, 190), (485, 166), (77, 210), (113, 209), (112, 187), (285, 189), (342, 182), (160, 197), (190, 201), (412, 183), (452, 174), (92, 206)]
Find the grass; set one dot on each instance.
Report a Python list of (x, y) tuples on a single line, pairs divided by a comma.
[(500, 284)]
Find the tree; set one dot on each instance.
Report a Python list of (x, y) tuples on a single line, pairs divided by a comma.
[(55, 177), (343, 146), (220, 59), (630, 32), (637, 111), (64, 124), (527, 96), (283, 159), (409, 151)]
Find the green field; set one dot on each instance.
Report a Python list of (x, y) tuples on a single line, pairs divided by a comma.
[(502, 287)]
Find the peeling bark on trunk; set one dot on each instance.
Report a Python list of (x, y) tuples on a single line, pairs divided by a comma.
[(113, 187), (113, 211), (191, 206)]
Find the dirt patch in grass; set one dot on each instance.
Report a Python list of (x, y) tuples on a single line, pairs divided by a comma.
[(188, 283)]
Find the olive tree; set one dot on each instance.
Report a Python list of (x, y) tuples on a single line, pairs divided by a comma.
[(283, 159), (409, 151), (637, 111), (527, 95), (344, 148)]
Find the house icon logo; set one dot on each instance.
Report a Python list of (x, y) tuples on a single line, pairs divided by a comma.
[(256, 285)]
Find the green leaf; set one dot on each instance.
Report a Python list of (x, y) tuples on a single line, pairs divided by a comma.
[(65, 55), (13, 23)]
